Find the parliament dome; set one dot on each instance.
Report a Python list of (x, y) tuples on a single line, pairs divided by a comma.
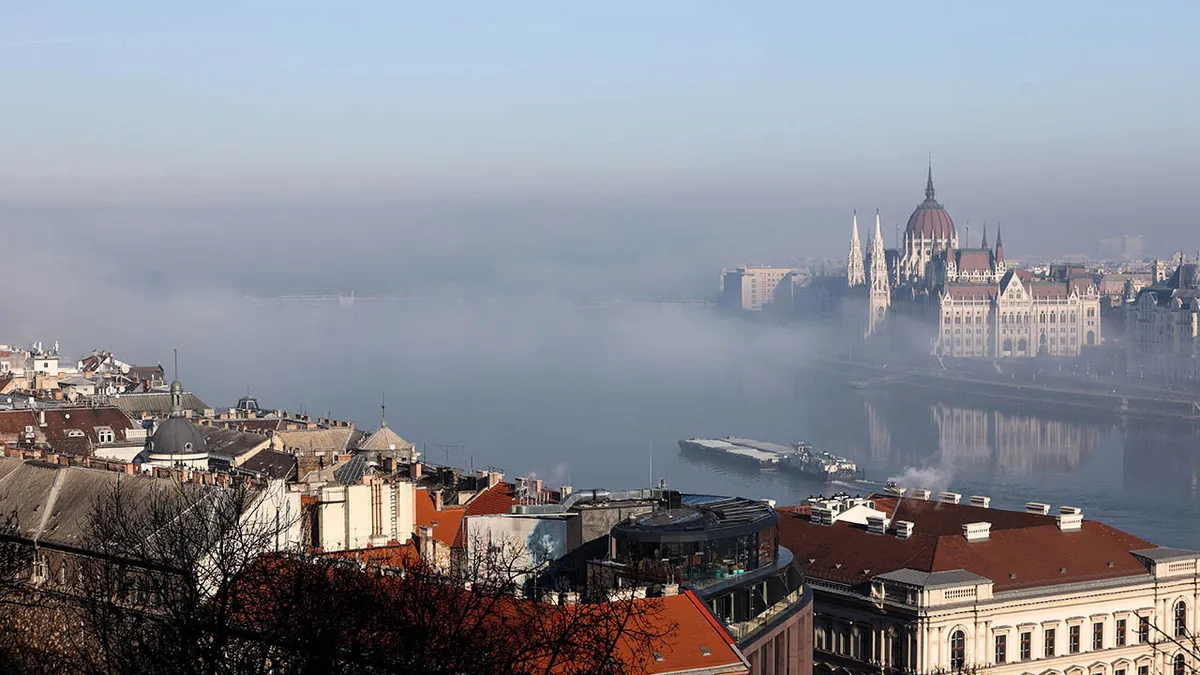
[(930, 220)]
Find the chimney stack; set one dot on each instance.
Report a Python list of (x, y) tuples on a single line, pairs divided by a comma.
[(437, 500), (981, 501), (904, 529), (949, 497), (920, 493), (1037, 508), (876, 525), (977, 531), (1070, 518)]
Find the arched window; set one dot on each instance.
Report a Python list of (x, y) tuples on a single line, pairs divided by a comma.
[(1180, 619), (1008, 346), (1180, 666), (958, 650), (1022, 346)]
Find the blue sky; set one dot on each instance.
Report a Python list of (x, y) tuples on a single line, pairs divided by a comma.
[(829, 103)]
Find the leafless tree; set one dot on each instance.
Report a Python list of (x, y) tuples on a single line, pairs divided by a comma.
[(159, 590)]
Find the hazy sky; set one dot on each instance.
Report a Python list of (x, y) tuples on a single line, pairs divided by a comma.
[(1067, 120)]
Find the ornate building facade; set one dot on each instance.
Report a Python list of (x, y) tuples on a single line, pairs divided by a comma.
[(1162, 327), (976, 307)]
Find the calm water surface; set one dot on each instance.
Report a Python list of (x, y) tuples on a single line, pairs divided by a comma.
[(594, 396)]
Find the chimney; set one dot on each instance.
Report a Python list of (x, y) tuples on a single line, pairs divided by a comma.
[(416, 470), (570, 598), (949, 497), (1037, 508), (670, 590), (437, 500), (876, 525), (977, 531), (1070, 518), (425, 542), (920, 493), (904, 529), (42, 418), (981, 501)]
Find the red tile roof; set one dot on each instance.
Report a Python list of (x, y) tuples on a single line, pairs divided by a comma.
[(1024, 550), (395, 554), (973, 260), (695, 628), (445, 523), (494, 500)]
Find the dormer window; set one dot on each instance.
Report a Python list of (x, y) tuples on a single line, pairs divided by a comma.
[(74, 433), (105, 435)]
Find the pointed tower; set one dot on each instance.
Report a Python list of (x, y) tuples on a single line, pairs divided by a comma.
[(856, 274), (1001, 266), (984, 244), (881, 292)]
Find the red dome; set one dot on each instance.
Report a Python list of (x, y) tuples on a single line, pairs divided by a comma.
[(930, 220)]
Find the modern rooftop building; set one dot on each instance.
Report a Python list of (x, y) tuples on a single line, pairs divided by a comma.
[(726, 550)]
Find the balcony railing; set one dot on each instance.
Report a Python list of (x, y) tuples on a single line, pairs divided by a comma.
[(744, 629)]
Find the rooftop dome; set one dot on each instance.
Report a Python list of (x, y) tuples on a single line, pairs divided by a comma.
[(930, 220), (176, 439)]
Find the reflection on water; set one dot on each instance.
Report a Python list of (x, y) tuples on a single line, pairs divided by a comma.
[(1141, 475)]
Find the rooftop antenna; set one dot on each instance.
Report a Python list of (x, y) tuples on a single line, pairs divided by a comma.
[(382, 410)]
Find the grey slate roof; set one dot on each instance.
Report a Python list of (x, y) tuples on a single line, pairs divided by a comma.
[(230, 442), (53, 503), (271, 463), (352, 471), (934, 579), (1164, 554), (156, 403)]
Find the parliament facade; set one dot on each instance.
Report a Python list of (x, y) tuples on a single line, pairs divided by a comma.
[(967, 300)]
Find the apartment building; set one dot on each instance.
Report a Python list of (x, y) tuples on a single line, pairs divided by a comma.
[(753, 288)]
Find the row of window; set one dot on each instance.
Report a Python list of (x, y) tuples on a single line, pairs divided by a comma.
[(958, 639)]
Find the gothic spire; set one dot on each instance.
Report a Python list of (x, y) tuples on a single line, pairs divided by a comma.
[(382, 410), (984, 244), (878, 256), (855, 273), (929, 181), (999, 244)]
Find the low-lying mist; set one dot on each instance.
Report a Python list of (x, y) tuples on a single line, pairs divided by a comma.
[(505, 351)]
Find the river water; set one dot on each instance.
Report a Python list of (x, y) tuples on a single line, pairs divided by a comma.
[(598, 396)]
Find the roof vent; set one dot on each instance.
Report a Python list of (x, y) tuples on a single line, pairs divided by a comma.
[(1070, 519), (1062, 570), (904, 529), (1012, 575), (1037, 508), (876, 524), (977, 531), (705, 651), (949, 497), (920, 493), (1110, 563), (981, 501), (837, 566)]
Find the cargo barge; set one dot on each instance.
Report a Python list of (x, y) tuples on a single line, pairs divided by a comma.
[(798, 458)]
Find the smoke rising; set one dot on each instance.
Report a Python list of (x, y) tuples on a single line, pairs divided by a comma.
[(933, 478)]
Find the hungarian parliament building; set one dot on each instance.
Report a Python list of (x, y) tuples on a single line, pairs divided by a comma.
[(965, 301)]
